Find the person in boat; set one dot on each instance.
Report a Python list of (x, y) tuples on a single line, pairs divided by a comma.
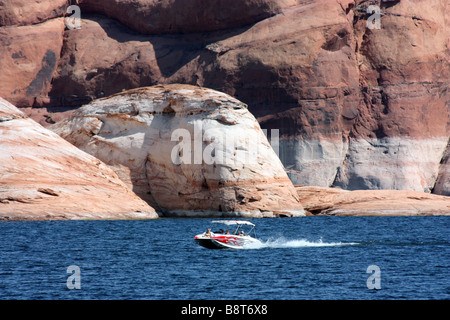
[(208, 233), (227, 232)]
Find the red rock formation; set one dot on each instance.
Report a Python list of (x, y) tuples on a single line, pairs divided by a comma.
[(29, 56), (346, 98), (25, 12), (186, 16), (403, 121)]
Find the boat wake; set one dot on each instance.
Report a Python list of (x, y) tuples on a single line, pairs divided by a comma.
[(295, 243)]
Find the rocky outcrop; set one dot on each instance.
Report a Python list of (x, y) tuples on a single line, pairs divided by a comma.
[(442, 185), (44, 177), (185, 148), (186, 16), (401, 134), (338, 202), (401, 163), (356, 107), (29, 56), (25, 12)]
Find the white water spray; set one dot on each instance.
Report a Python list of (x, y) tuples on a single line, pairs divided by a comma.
[(295, 243)]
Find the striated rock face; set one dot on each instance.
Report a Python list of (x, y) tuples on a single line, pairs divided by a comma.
[(356, 107), (400, 136), (42, 176), (185, 148), (400, 163)]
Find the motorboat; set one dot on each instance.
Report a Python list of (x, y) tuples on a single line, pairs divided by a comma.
[(240, 238)]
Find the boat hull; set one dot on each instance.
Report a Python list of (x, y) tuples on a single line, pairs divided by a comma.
[(225, 242), (209, 243)]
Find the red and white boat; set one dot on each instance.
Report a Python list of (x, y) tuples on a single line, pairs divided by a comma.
[(239, 238)]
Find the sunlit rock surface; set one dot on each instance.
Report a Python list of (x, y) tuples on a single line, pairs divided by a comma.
[(44, 177)]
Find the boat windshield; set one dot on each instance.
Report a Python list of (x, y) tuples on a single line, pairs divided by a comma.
[(241, 227)]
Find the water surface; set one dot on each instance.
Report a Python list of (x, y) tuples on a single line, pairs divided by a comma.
[(300, 258)]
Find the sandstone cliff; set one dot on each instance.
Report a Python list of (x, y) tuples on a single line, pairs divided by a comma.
[(357, 108), (185, 149), (42, 176)]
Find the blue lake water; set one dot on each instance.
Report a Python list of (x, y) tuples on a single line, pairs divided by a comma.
[(301, 258)]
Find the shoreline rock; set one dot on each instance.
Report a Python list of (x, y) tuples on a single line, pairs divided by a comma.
[(319, 201), (44, 177)]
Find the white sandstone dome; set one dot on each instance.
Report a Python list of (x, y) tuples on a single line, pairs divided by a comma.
[(182, 147)]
